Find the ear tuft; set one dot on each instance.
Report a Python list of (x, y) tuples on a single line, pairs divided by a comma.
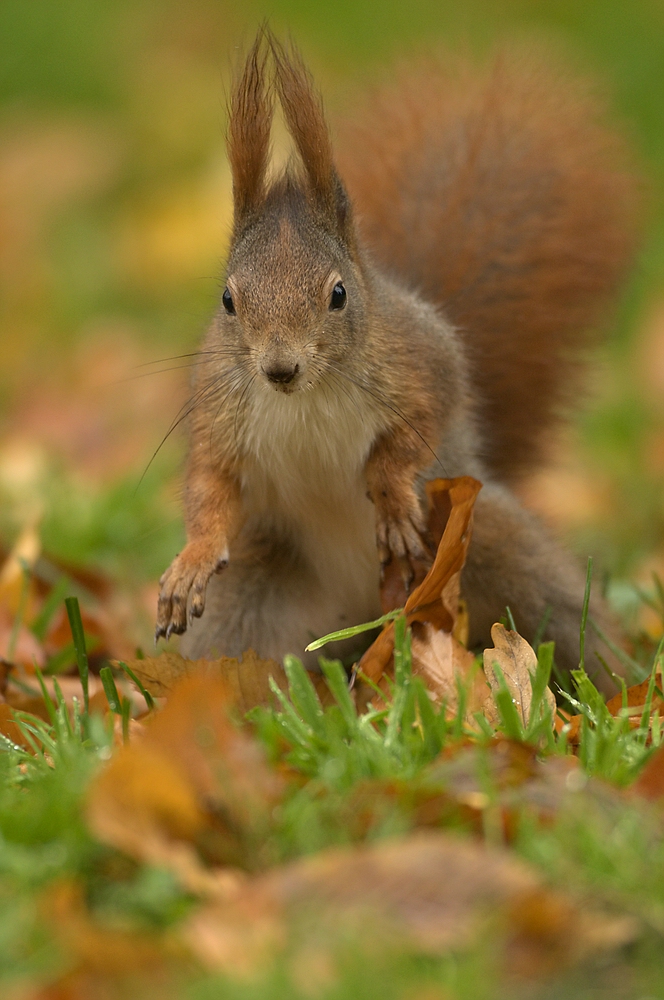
[(303, 111), (250, 122)]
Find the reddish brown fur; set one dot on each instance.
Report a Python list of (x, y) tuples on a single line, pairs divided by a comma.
[(496, 194), (250, 123)]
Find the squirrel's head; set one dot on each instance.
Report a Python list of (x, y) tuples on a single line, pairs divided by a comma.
[(293, 304)]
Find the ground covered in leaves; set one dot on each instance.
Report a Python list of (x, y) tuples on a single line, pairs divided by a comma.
[(434, 826)]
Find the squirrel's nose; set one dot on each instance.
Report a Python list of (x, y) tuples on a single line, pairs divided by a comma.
[(281, 374)]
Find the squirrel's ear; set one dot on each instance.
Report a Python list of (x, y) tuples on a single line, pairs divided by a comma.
[(250, 122), (303, 111)]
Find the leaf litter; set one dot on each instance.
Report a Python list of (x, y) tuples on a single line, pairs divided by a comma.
[(197, 791)]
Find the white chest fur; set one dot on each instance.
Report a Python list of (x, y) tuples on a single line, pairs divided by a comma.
[(304, 460)]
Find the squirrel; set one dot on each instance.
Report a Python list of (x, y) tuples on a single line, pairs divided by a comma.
[(414, 308)]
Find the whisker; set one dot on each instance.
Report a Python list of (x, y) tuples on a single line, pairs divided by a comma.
[(216, 352), (175, 357), (254, 375), (344, 388), (234, 387), (201, 396), (161, 371), (391, 407)]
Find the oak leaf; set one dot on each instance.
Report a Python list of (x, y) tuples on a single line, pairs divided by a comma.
[(517, 662), (440, 660)]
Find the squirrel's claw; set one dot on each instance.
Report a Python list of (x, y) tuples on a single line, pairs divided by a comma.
[(400, 540), (185, 582)]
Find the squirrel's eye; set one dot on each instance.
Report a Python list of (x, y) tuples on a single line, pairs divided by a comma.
[(338, 298), (227, 299)]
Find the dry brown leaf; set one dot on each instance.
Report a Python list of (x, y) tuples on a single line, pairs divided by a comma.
[(429, 892), (193, 779), (493, 787), (436, 599), (636, 700), (650, 782), (636, 703), (246, 680), (10, 729), (518, 663), (440, 660)]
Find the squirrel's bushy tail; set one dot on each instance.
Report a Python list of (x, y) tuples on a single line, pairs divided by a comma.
[(498, 195)]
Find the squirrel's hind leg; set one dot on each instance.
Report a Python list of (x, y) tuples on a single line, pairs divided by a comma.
[(513, 561)]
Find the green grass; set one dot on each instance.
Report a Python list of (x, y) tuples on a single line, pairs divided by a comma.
[(361, 777)]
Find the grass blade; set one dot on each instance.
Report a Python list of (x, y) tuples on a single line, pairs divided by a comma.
[(303, 694), (297, 729), (337, 682), (76, 625), (126, 715), (584, 615), (48, 701), (149, 700), (110, 690), (636, 672), (348, 633)]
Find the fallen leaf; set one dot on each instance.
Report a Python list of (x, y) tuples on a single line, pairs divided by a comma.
[(571, 724), (435, 601), (246, 680), (493, 787), (9, 728), (636, 700), (427, 893), (440, 660), (650, 782), (635, 705), (193, 786), (518, 662)]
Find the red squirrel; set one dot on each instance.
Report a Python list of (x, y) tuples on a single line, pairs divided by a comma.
[(410, 314)]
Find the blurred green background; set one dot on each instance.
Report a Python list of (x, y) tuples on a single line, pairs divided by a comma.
[(114, 214)]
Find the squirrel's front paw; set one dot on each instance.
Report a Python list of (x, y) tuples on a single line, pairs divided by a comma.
[(186, 579), (400, 530)]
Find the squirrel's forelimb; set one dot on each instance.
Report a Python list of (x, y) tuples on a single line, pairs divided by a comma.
[(213, 512)]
